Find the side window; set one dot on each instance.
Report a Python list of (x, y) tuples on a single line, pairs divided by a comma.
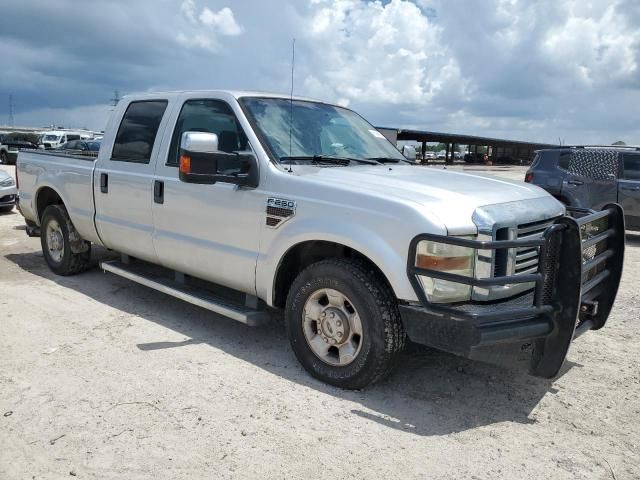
[(563, 160), (137, 132), (595, 164), (212, 116), (631, 166)]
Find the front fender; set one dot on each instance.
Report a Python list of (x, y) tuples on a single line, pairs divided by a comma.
[(388, 253)]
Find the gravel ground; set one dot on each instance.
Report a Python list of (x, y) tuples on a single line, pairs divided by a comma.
[(102, 378)]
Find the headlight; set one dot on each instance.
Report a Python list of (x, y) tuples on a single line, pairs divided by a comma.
[(445, 258), (7, 182)]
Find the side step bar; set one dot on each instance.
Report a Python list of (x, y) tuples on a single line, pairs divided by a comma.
[(197, 296)]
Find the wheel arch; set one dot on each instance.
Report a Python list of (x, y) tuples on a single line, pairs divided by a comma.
[(46, 196), (304, 253)]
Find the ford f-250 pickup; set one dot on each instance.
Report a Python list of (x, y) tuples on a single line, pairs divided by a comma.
[(246, 202)]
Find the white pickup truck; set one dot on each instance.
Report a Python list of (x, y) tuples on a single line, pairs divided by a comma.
[(243, 203)]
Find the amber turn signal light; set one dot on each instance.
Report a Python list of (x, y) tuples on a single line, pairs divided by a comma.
[(442, 264), (185, 164)]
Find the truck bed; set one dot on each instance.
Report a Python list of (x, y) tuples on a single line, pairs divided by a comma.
[(71, 176)]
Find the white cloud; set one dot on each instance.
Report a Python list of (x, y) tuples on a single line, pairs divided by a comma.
[(376, 53), (188, 9), (223, 21), (206, 27)]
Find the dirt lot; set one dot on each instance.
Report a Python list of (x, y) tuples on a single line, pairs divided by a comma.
[(102, 378)]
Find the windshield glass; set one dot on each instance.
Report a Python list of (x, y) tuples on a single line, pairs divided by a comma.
[(51, 138), (318, 130)]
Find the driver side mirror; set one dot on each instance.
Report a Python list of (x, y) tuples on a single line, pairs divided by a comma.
[(202, 162)]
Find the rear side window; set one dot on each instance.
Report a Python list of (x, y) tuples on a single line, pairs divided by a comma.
[(137, 132), (631, 165), (595, 164)]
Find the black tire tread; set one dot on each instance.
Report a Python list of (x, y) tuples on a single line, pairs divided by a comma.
[(386, 303), (77, 262)]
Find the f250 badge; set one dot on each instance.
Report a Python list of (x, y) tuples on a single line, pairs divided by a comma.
[(279, 210)]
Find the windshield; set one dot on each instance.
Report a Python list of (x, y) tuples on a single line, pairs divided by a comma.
[(51, 138), (317, 130)]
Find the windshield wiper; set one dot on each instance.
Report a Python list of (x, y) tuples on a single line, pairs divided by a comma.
[(334, 160), (388, 159)]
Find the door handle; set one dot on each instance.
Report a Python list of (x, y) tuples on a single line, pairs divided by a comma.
[(575, 182), (158, 191), (104, 183)]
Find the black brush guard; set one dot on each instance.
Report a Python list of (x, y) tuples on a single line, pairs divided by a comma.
[(579, 269)]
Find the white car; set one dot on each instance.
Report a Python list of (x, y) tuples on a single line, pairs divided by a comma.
[(8, 192)]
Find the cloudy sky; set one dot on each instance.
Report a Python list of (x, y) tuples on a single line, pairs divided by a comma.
[(507, 68)]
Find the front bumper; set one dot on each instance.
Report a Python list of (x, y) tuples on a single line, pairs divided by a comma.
[(8, 196), (575, 286)]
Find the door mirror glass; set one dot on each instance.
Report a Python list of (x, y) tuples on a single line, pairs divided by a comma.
[(199, 142)]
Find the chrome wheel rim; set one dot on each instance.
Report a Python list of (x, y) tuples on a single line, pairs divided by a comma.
[(55, 241), (332, 327)]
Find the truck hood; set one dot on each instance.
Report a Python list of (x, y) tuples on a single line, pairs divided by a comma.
[(449, 195)]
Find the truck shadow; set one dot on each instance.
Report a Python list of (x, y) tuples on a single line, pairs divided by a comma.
[(431, 393)]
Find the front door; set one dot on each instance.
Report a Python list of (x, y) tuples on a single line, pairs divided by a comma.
[(208, 231), (123, 189), (629, 189)]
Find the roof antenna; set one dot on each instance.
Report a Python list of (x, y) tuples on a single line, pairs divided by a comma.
[(293, 64)]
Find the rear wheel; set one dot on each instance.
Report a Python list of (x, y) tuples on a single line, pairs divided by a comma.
[(64, 251), (343, 323)]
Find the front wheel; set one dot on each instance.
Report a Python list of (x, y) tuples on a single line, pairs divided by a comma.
[(64, 250), (343, 323)]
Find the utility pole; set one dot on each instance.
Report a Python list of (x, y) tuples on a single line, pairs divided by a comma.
[(11, 110)]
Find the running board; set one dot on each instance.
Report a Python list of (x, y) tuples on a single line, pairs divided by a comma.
[(197, 296)]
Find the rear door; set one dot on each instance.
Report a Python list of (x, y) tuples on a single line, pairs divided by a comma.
[(123, 181), (591, 181), (629, 189)]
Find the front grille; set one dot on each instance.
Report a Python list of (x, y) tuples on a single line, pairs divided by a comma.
[(526, 258), (523, 260), (7, 198)]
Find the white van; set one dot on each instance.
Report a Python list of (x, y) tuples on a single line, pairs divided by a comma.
[(56, 138)]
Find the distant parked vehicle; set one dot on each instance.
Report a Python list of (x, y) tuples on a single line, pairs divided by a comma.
[(442, 155), (409, 152), (591, 177), (8, 192), (81, 147), (473, 157), (57, 138), (13, 142)]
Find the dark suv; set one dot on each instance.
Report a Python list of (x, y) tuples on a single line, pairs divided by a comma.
[(591, 177)]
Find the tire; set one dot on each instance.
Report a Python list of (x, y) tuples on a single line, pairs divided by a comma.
[(372, 354), (4, 159), (64, 250)]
